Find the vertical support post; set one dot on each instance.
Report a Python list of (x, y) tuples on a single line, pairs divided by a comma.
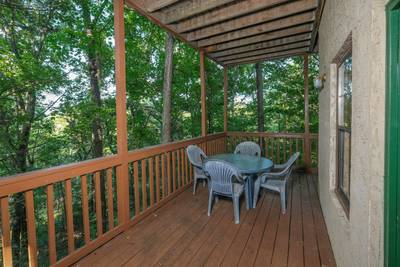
[(122, 134), (203, 94), (307, 147), (225, 99)]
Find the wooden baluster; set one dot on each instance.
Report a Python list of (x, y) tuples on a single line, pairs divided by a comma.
[(297, 145), (5, 231), (186, 168), (163, 177), (136, 187), (279, 151), (151, 181), (51, 224), (273, 150), (158, 179), (144, 184), (266, 147), (173, 171), (178, 159), (31, 228), (182, 167), (110, 200), (99, 213), (284, 150), (85, 210), (69, 216), (291, 147), (169, 173)]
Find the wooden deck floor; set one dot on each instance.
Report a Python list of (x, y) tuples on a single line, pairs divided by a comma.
[(181, 234)]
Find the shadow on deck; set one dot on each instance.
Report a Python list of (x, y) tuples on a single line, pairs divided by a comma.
[(181, 233)]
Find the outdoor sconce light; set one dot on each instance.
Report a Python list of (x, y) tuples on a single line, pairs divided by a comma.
[(319, 82)]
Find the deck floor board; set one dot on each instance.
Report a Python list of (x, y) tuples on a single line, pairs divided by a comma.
[(181, 233)]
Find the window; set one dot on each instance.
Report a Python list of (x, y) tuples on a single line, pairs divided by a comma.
[(344, 101)]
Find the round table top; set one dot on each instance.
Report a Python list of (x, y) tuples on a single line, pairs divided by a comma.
[(245, 163)]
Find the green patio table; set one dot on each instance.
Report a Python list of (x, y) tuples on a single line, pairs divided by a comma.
[(249, 167)]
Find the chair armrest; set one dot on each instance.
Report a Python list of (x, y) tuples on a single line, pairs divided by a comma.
[(280, 166)]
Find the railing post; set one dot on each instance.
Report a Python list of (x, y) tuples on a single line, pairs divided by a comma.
[(307, 150), (225, 99), (203, 94), (122, 134)]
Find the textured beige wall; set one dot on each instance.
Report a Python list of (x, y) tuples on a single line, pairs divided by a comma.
[(357, 240)]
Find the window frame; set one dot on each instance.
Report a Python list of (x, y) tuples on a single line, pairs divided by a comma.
[(344, 52)]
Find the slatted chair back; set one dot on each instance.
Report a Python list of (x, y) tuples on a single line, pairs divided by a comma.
[(248, 148), (196, 156), (223, 175)]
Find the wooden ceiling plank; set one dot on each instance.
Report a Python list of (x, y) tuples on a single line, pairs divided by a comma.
[(303, 44), (267, 56), (253, 19), (154, 5), (225, 13), (265, 59), (186, 9), (306, 28), (267, 44), (261, 28)]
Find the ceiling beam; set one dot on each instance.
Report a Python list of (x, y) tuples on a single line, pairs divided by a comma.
[(225, 13), (289, 53), (253, 19), (155, 5), (306, 28), (263, 45), (317, 21), (186, 9), (260, 52), (258, 29)]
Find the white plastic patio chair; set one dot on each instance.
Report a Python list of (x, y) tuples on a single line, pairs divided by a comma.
[(196, 157), (276, 181), (225, 180), (248, 148)]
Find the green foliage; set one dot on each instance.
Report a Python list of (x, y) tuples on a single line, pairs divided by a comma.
[(46, 96)]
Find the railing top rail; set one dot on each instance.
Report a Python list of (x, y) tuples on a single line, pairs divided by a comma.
[(270, 134), (34, 179)]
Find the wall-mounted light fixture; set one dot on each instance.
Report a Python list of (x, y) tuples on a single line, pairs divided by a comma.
[(320, 81)]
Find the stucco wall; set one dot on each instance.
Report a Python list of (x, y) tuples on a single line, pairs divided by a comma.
[(357, 240)]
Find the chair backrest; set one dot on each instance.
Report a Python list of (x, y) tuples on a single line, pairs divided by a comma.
[(196, 155), (290, 163), (222, 176), (248, 148)]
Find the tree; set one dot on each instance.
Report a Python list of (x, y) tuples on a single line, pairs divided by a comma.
[(168, 68)]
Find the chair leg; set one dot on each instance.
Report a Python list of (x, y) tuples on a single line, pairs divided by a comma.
[(236, 211), (210, 202), (204, 182), (283, 200), (257, 186), (194, 186)]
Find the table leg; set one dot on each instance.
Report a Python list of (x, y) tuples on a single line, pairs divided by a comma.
[(250, 191)]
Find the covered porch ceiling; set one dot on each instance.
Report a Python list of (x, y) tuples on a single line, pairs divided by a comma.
[(233, 32)]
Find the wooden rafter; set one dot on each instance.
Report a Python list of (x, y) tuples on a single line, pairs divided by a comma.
[(264, 37), (155, 5), (297, 51), (228, 12), (253, 19), (186, 9), (261, 52), (261, 28), (262, 45)]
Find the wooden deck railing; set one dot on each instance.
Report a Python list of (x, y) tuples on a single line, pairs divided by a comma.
[(279, 146), (156, 174)]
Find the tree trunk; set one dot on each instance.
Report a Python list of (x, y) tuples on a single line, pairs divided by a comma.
[(26, 108), (168, 68), (260, 102), (94, 68)]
